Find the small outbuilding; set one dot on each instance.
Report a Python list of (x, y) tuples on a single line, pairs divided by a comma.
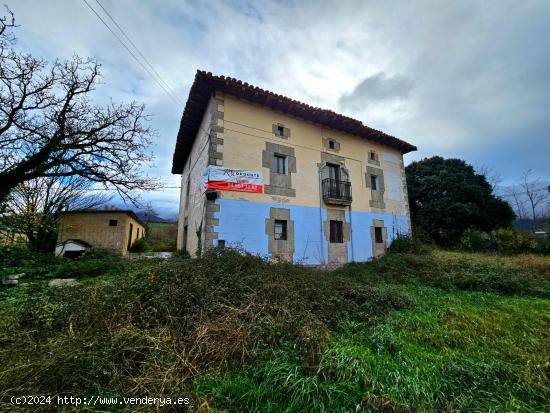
[(84, 229)]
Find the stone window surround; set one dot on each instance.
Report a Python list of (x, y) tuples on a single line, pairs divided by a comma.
[(337, 252), (376, 160), (377, 195), (279, 248), (275, 130), (326, 145), (279, 184), (327, 158), (378, 248)]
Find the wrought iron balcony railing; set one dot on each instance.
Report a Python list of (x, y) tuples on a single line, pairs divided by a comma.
[(336, 192)]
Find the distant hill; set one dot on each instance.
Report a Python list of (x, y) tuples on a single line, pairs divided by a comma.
[(144, 216), (526, 224)]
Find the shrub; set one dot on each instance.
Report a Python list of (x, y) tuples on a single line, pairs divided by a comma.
[(505, 241), (47, 265), (141, 245), (408, 245), (458, 270), (542, 245), (165, 322), (290, 338), (510, 241), (474, 240), (183, 253)]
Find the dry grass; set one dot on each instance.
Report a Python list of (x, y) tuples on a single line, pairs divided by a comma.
[(236, 333)]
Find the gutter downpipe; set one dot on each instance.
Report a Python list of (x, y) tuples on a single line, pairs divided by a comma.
[(351, 234), (321, 166)]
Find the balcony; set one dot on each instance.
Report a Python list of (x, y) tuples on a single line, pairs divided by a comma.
[(336, 192)]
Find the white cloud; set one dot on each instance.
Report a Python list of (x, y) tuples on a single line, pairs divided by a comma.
[(481, 73)]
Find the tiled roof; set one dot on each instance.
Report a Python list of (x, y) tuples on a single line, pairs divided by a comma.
[(206, 84)]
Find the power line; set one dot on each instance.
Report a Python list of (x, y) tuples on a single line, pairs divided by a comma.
[(139, 52), (131, 53), (114, 189)]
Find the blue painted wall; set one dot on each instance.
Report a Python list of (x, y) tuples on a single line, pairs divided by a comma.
[(242, 223)]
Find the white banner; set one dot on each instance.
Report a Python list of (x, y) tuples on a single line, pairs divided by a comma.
[(229, 179)]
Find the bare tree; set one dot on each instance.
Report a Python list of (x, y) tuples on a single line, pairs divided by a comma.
[(33, 207), (534, 193), (149, 212), (50, 128), (7, 21), (493, 178), (515, 194)]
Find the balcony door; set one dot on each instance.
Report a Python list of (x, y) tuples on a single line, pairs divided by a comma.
[(334, 176), (333, 171)]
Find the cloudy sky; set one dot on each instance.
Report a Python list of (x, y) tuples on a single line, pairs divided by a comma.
[(467, 79)]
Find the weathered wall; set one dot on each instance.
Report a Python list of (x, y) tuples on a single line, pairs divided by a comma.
[(242, 224), (207, 150), (248, 132), (94, 228), (246, 138)]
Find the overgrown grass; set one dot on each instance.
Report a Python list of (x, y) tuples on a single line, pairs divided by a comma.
[(37, 265), (454, 351), (434, 332), (521, 274), (161, 236)]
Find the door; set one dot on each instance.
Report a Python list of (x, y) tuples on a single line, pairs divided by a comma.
[(333, 171), (130, 236)]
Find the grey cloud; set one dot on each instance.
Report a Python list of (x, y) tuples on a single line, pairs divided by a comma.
[(375, 89), (464, 79)]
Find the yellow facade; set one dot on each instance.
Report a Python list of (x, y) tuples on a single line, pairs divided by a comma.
[(116, 230), (238, 134), (247, 128)]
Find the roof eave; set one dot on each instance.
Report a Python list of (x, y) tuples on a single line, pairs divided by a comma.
[(206, 84)]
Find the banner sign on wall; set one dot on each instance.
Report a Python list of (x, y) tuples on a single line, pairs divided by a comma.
[(228, 179)]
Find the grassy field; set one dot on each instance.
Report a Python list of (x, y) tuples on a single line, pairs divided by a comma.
[(161, 236), (440, 331)]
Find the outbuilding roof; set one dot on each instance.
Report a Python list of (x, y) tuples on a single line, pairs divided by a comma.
[(205, 84), (105, 211)]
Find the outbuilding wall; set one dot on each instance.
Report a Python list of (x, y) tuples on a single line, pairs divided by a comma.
[(94, 228)]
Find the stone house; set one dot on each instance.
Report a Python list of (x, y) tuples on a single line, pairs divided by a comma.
[(111, 229), (283, 179)]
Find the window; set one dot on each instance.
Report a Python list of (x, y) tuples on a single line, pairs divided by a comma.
[(374, 182), (221, 243), (279, 164), (336, 231), (373, 156), (113, 222), (331, 144), (280, 130), (280, 229), (378, 238), (333, 171), (137, 233), (187, 191)]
